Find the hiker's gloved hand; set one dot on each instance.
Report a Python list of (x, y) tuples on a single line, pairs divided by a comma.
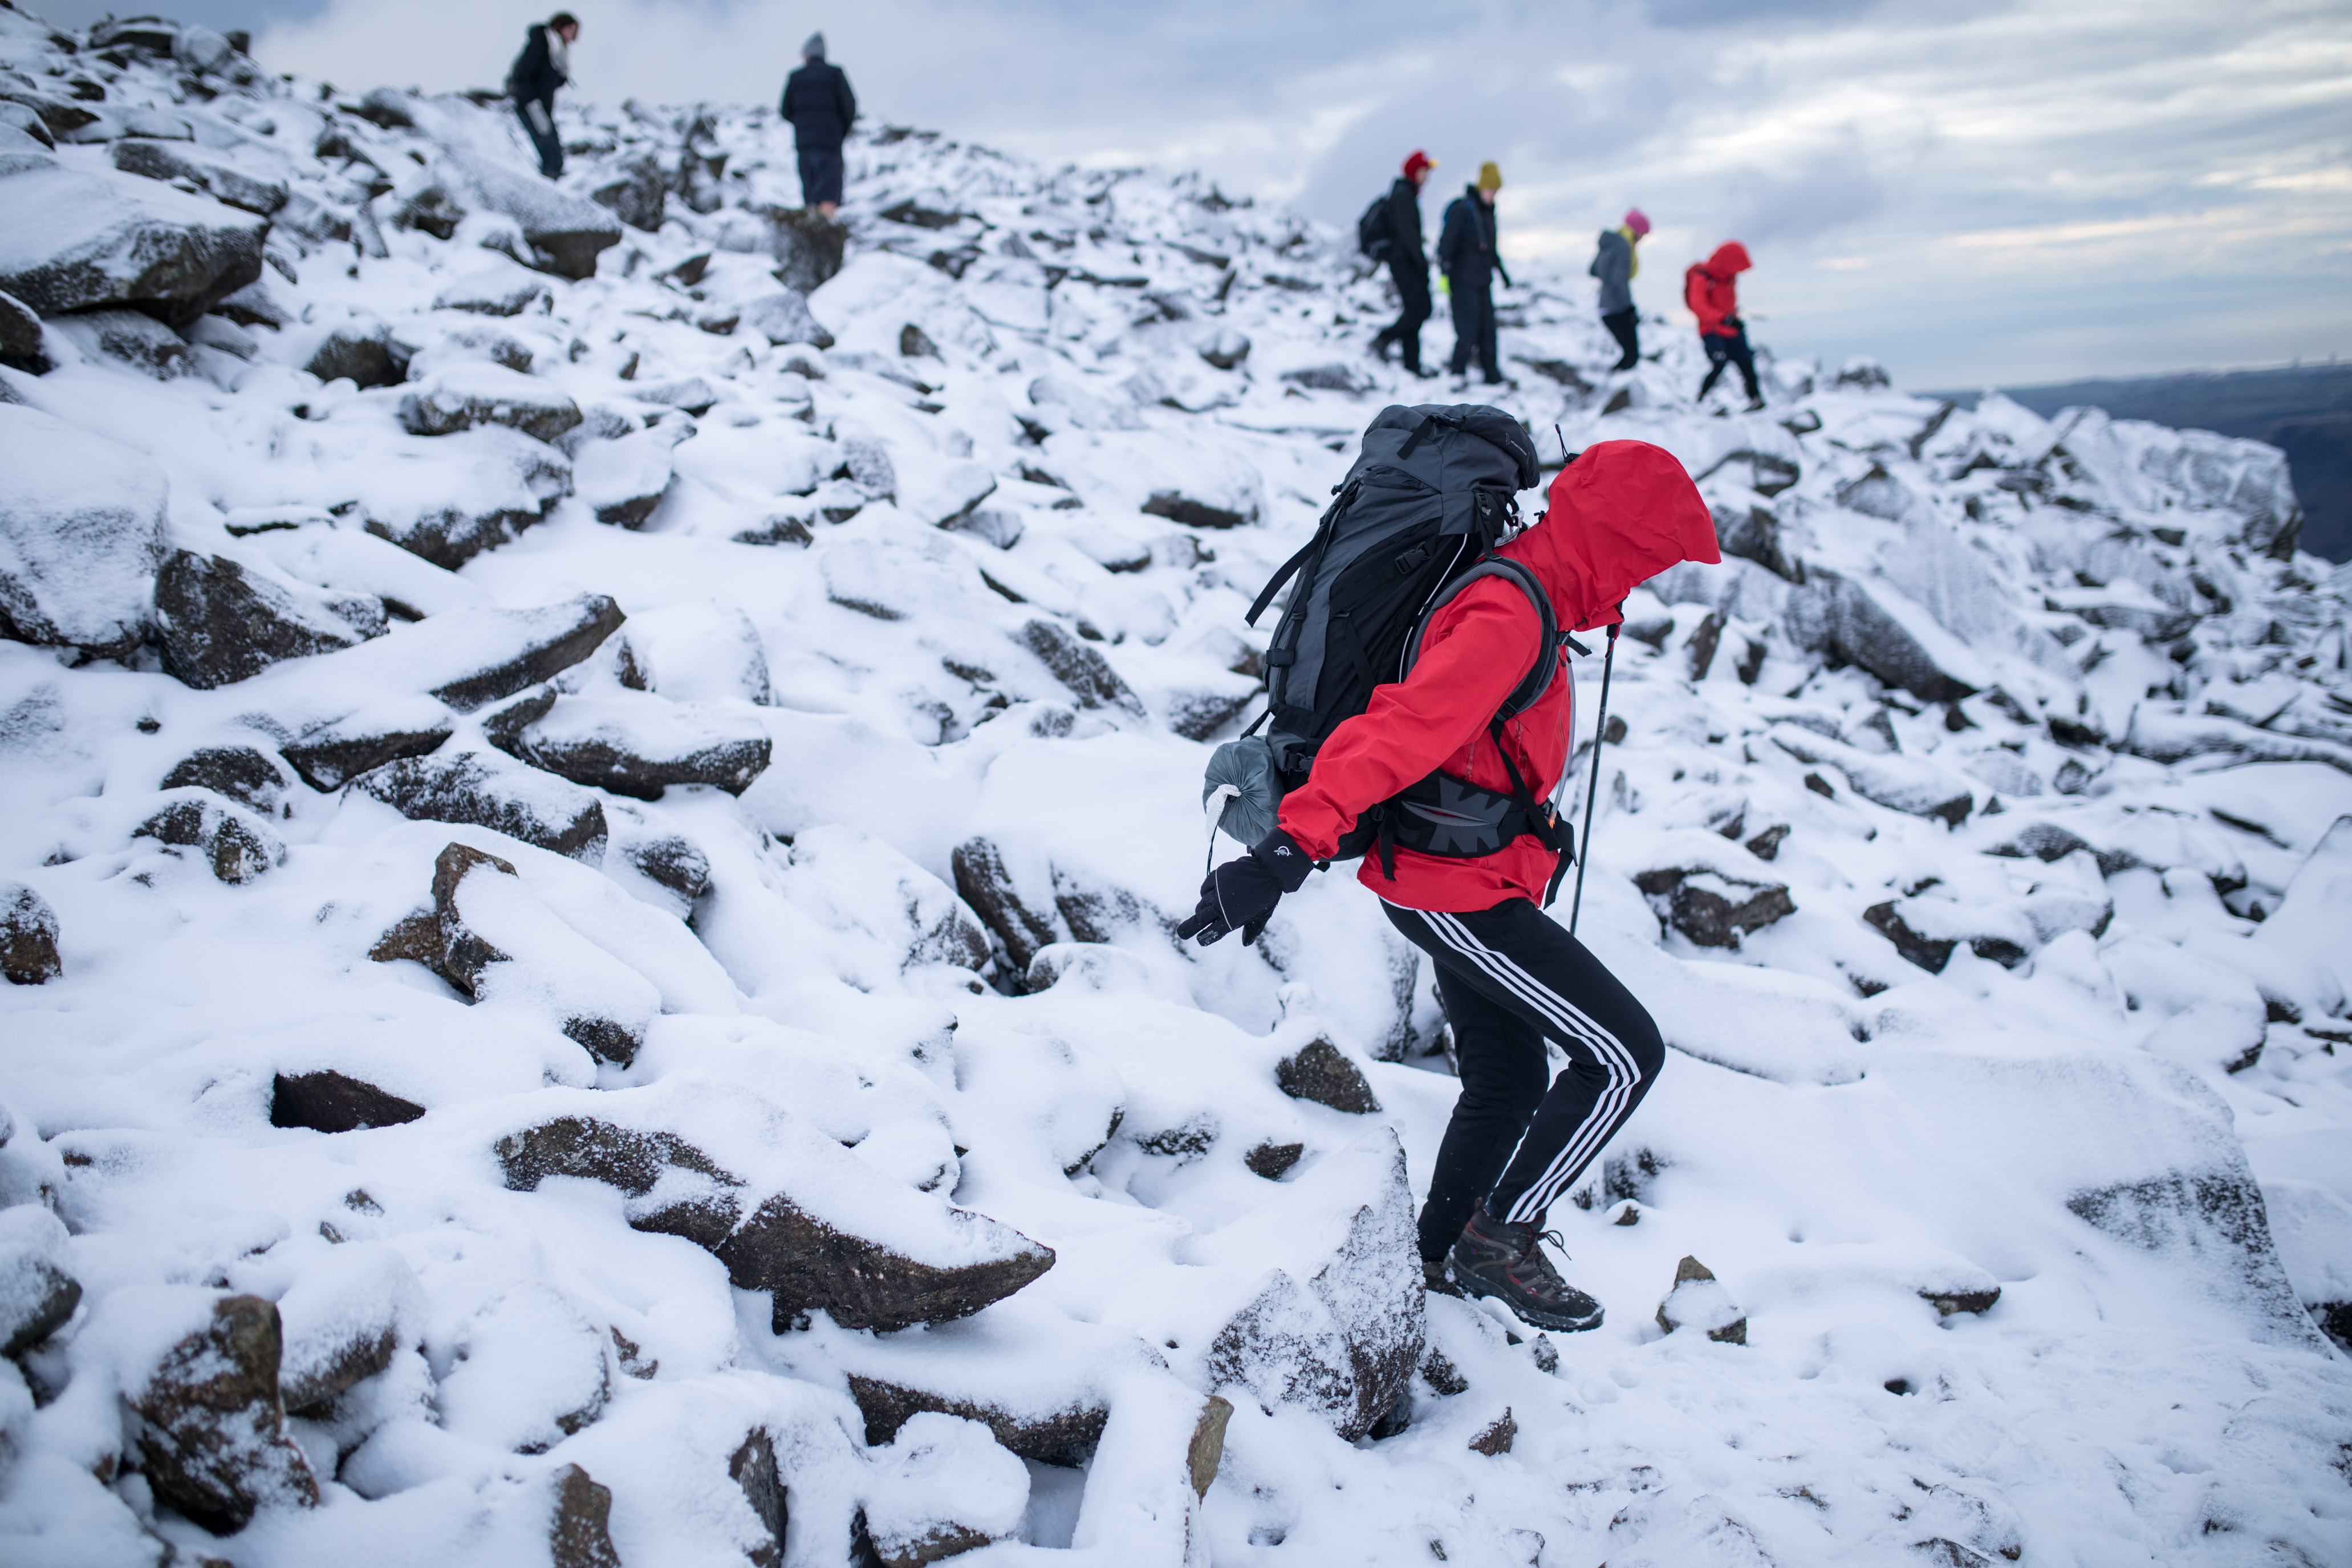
[(1240, 895)]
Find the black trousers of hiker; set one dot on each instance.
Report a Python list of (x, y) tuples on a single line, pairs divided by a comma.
[(537, 117), (1413, 288), (1623, 326), (1510, 977), (821, 172), (1729, 350), (1474, 326)]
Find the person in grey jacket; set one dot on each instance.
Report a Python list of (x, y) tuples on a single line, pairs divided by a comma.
[(1615, 263)]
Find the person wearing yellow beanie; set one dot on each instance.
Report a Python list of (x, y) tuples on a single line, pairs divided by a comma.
[(1467, 253)]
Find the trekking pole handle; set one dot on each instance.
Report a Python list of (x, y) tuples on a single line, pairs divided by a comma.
[(1593, 790)]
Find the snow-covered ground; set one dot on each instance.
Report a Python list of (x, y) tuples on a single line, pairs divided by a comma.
[(608, 1036)]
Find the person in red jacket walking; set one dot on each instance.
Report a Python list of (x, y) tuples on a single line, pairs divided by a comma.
[(1711, 289), (1508, 975)]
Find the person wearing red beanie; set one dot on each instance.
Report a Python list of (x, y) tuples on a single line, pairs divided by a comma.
[(1401, 249)]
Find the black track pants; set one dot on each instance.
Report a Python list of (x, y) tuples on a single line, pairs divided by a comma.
[(1626, 329), (1729, 349), (1510, 977), (1473, 327), (1412, 290)]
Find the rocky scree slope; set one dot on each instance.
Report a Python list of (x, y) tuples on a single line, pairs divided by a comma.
[(597, 781)]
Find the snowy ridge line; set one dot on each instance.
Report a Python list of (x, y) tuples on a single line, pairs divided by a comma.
[(594, 781)]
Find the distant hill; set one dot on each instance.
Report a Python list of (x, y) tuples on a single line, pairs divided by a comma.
[(2305, 411)]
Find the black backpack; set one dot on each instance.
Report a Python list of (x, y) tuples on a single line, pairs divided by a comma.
[(1372, 237), (1416, 521)]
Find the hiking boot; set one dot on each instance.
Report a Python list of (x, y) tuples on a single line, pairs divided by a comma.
[(1506, 1261), (1434, 1278), (1755, 406)]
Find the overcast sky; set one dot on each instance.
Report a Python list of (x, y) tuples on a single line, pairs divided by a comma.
[(1974, 191)]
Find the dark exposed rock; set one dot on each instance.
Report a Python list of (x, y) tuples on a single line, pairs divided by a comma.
[(1085, 672), (639, 197), (809, 247), (333, 755), (779, 1247), (913, 212), (1703, 643), (1770, 473), (1197, 715), (916, 343), (1062, 1437), (243, 773), (2042, 840), (211, 1437), (678, 864), (1947, 1302), (28, 937), (639, 745), (1498, 1435), (487, 790), (1442, 1376), (237, 847), (1226, 349), (328, 1101), (1766, 845), (1711, 909), (20, 337), (364, 355), (1272, 1160), (579, 1535), (503, 726), (1321, 1072), (38, 1295), (982, 882), (752, 1467), (219, 622), (1753, 534), (1698, 1300), (1930, 954), (1334, 377), (81, 530), (1177, 507), (108, 240), (811, 1265)]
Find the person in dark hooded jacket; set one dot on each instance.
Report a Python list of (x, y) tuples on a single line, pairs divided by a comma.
[(1509, 976), (1467, 253), (821, 108), (1711, 289), (1407, 263), (544, 65)]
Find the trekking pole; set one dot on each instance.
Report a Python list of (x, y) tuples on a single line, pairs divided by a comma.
[(1592, 792)]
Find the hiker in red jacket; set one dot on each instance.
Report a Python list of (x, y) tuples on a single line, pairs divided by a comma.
[(1508, 975), (1711, 289)]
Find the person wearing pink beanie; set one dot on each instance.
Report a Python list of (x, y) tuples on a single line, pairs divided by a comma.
[(1616, 265)]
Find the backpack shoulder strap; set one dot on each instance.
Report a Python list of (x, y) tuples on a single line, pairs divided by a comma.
[(1538, 679)]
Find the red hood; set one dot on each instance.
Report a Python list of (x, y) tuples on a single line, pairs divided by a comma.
[(1619, 515), (1730, 260)]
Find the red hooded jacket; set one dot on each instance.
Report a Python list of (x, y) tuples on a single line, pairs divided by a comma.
[(1622, 512), (1711, 289)]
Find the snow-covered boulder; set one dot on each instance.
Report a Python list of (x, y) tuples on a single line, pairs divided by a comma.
[(73, 239), (20, 336), (173, 162), (636, 743), (465, 395), (212, 1429), (81, 535), (219, 622), (233, 843), (565, 231), (806, 1220), (37, 1289), (487, 790)]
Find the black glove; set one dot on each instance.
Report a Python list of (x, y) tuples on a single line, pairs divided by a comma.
[(1240, 895)]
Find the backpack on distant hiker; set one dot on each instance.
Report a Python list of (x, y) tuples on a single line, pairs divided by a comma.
[(1417, 521), (1372, 237)]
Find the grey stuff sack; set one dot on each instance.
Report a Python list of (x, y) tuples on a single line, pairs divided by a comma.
[(1246, 768)]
